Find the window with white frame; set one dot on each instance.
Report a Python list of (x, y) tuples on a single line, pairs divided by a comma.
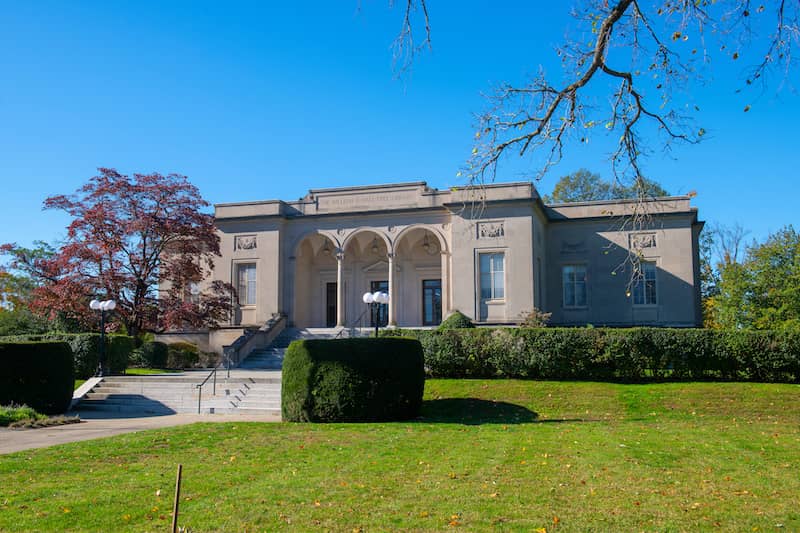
[(192, 293), (644, 287), (247, 283), (574, 285), (492, 272)]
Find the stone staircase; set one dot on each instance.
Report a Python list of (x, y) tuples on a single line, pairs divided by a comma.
[(253, 388), (164, 394), (271, 357)]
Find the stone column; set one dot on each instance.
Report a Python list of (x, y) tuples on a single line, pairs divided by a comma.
[(392, 292), (339, 289), (445, 284)]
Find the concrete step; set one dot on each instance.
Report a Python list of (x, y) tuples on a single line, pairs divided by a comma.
[(167, 394)]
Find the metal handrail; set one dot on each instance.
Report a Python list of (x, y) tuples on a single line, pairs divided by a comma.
[(351, 326), (228, 361), (213, 374)]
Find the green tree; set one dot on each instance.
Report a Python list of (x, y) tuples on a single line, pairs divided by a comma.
[(709, 279), (640, 188), (16, 287), (762, 292), (580, 186), (585, 186)]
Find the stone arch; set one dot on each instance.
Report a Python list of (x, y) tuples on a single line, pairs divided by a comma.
[(422, 288), (358, 231), (312, 268), (326, 234), (428, 227)]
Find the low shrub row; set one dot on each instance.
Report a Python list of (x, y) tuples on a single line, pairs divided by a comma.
[(10, 414), (182, 355), (177, 355), (37, 374), (633, 354), (151, 354), (86, 350), (348, 380)]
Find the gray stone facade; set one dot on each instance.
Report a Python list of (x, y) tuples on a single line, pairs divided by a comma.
[(492, 253)]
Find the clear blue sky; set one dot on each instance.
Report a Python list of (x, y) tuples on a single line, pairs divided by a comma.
[(268, 99)]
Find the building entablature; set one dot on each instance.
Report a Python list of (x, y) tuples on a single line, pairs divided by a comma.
[(412, 196)]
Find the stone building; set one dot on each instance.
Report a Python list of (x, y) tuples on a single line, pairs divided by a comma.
[(493, 253)]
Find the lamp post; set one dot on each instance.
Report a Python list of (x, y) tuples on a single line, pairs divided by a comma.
[(374, 300), (105, 305)]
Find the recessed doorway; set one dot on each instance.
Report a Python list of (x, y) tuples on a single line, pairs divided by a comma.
[(431, 302)]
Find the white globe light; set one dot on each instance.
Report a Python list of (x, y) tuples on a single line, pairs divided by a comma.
[(111, 305), (376, 296), (383, 298), (367, 297), (94, 304)]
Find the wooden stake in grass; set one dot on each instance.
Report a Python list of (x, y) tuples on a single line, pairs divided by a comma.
[(177, 500)]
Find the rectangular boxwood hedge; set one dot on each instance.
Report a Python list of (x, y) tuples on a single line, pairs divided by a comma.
[(37, 374), (86, 350), (629, 354), (352, 380)]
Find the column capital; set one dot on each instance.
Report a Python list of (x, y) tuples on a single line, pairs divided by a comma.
[(391, 255), (339, 255)]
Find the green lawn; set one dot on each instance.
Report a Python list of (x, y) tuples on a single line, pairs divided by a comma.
[(148, 371), (489, 455)]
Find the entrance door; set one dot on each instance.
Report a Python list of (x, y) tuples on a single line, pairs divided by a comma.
[(431, 302), (330, 305), (383, 309)]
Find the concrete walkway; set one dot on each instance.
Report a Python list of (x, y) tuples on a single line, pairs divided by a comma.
[(15, 440)]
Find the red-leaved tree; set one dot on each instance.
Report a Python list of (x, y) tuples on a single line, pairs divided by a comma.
[(127, 234)]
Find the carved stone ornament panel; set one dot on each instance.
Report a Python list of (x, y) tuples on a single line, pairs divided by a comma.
[(245, 242), (640, 241), (491, 230), (576, 247)]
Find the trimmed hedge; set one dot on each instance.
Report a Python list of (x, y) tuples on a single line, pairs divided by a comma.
[(86, 350), (182, 355), (456, 320), (632, 354), (37, 374), (352, 380), (151, 354)]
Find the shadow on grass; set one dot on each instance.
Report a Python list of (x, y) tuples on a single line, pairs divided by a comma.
[(473, 411)]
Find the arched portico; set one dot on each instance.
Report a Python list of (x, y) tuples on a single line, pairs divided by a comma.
[(315, 277), (333, 269), (367, 265), (421, 294)]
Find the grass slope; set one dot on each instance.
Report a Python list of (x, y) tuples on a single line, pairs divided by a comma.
[(488, 455)]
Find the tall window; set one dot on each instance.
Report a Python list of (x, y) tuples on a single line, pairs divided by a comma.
[(644, 288), (431, 302), (192, 293), (247, 284), (574, 283), (492, 268)]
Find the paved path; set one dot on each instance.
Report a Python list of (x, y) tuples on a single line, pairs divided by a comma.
[(14, 440)]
